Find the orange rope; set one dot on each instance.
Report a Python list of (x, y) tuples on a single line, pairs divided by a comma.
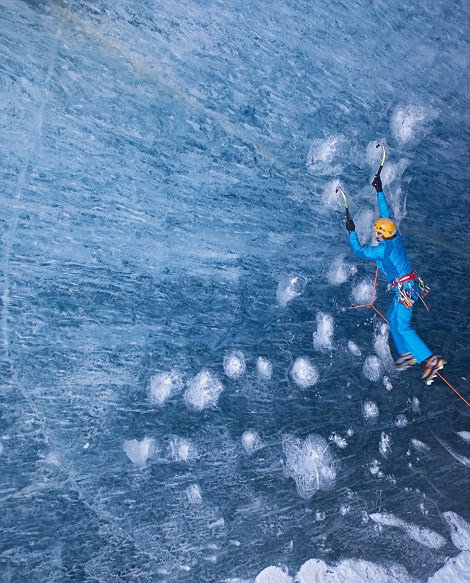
[(371, 305)]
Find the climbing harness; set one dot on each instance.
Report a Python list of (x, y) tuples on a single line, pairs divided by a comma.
[(405, 292), (371, 305)]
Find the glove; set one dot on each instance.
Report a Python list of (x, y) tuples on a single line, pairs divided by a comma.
[(377, 183), (350, 226)]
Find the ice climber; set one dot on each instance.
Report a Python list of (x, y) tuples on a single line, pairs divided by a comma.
[(392, 260)]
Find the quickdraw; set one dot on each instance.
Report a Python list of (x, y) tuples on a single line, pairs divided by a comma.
[(405, 293)]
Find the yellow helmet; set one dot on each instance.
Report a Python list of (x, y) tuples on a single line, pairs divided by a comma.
[(385, 227)]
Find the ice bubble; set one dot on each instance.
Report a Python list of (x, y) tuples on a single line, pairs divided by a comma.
[(203, 391), (373, 368), (273, 575), (338, 440), (164, 385), (382, 347), (349, 432), (387, 383), (370, 410), (234, 364), (320, 516), (53, 458), (385, 445), (374, 467), (401, 421), (310, 463), (323, 153), (362, 292), (264, 368), (139, 451), (194, 494), (344, 509), (409, 123), (340, 271), (290, 287), (304, 373), (465, 435), (323, 337), (354, 348), (459, 530), (420, 445), (181, 449), (420, 534), (251, 441), (415, 405)]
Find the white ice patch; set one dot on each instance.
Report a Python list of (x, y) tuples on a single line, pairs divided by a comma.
[(352, 571), (465, 435), (234, 364), (194, 494), (164, 385), (325, 155), (273, 575), (364, 222), (459, 530), (264, 368), (251, 441), (420, 534), (338, 440), (331, 198), (373, 368), (354, 348), (362, 292), (139, 451), (340, 271), (410, 123), (304, 373), (382, 347), (310, 463), (420, 445), (415, 405), (53, 458), (387, 383), (290, 287), (455, 570), (323, 337), (203, 391), (401, 421), (370, 410), (181, 449), (385, 445)]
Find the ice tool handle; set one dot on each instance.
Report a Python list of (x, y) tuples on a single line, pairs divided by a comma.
[(346, 207), (383, 158)]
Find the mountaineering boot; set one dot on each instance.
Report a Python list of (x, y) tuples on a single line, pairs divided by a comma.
[(432, 366), (404, 361)]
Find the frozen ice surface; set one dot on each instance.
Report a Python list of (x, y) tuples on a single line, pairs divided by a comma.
[(264, 368), (164, 385), (340, 271), (304, 373), (251, 441), (362, 292), (234, 364), (290, 287), (310, 463), (354, 348), (273, 575), (139, 451), (203, 391), (456, 569), (420, 534), (323, 336), (373, 368), (459, 530), (351, 571), (370, 410), (465, 435), (168, 189)]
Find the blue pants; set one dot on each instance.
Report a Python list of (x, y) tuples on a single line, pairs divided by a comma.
[(404, 336)]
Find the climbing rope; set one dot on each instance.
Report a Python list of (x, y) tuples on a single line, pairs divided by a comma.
[(371, 305)]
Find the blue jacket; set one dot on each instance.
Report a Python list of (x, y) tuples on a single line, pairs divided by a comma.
[(390, 254)]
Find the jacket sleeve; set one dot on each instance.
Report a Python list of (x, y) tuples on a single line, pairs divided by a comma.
[(377, 252), (384, 209)]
